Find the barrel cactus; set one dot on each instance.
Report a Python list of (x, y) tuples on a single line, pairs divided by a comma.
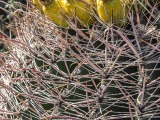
[(100, 73)]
